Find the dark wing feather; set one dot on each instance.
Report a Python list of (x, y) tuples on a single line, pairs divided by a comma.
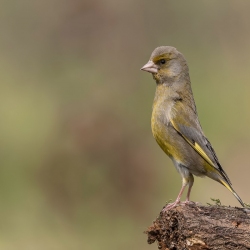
[(191, 131)]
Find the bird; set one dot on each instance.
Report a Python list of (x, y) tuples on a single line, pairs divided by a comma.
[(175, 124)]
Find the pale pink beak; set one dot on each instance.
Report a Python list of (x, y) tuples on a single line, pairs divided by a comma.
[(150, 67)]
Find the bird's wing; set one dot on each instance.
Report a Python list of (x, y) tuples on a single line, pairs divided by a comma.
[(191, 131)]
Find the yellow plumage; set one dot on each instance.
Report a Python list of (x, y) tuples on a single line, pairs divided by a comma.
[(175, 123)]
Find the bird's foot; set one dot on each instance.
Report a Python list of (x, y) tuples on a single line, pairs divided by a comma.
[(170, 206), (188, 202), (178, 202)]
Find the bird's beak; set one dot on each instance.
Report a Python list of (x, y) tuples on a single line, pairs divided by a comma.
[(150, 67)]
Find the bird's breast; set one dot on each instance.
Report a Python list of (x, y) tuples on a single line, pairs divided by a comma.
[(161, 127)]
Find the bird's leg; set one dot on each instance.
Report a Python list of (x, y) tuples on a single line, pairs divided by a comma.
[(172, 205), (190, 184), (186, 180)]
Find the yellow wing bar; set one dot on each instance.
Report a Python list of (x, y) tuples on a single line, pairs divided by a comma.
[(196, 147)]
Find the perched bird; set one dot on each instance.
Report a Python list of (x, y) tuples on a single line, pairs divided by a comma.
[(175, 123)]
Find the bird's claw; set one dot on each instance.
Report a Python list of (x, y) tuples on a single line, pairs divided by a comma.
[(170, 206)]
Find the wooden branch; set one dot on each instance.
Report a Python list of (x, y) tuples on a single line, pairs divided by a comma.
[(197, 227)]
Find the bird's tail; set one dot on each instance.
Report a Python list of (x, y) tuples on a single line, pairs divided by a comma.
[(229, 187)]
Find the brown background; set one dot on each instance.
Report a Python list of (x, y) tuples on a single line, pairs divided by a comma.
[(79, 166)]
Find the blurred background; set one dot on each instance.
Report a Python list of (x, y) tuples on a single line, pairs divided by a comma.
[(79, 166)]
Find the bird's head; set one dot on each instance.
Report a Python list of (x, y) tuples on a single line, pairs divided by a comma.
[(166, 64)]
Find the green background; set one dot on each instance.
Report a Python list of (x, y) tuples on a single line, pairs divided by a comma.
[(79, 166)]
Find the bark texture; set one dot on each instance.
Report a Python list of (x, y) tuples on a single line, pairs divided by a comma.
[(201, 227)]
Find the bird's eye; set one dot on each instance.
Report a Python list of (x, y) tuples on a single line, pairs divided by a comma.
[(162, 61)]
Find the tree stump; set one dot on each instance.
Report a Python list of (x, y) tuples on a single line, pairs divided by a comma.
[(197, 227)]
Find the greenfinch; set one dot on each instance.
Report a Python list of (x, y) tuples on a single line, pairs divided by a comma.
[(175, 123)]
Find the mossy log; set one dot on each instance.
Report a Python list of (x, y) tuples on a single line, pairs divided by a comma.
[(194, 227)]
